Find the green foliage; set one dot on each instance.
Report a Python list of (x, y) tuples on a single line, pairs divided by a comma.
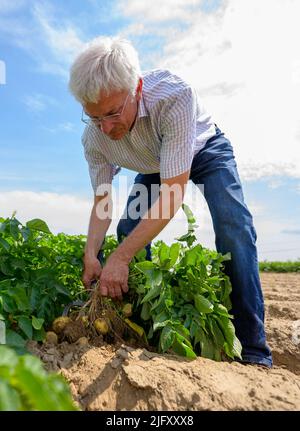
[(182, 298), (25, 385), (288, 266), (39, 274)]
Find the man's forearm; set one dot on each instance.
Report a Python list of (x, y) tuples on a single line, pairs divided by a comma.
[(96, 234), (147, 229)]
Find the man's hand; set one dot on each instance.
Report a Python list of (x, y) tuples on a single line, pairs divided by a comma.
[(92, 271), (114, 277)]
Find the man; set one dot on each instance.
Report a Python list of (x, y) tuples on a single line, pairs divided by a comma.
[(154, 124)]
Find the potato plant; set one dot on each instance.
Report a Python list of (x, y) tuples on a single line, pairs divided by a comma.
[(39, 274), (25, 385), (180, 299)]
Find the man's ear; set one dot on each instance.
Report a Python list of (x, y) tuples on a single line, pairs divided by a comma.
[(139, 88)]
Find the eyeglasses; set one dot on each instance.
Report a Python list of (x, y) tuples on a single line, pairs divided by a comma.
[(98, 120)]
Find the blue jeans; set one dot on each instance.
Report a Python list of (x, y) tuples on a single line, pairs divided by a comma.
[(214, 166)]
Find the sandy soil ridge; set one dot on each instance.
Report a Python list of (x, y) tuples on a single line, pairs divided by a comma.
[(123, 378)]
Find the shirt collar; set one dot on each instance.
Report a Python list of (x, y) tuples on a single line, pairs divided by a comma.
[(142, 110)]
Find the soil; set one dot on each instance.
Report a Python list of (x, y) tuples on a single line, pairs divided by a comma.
[(103, 376)]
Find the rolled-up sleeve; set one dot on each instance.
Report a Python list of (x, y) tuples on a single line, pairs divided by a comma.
[(100, 170), (178, 131)]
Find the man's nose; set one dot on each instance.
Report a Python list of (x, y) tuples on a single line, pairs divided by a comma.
[(106, 126)]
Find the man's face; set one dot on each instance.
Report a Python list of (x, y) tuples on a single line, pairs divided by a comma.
[(115, 127)]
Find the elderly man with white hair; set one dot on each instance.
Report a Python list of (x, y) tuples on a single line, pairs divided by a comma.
[(154, 123)]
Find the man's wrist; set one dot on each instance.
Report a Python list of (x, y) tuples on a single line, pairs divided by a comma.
[(123, 254), (89, 256)]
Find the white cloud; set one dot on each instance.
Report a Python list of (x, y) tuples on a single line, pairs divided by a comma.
[(291, 231), (39, 102), (63, 127), (51, 41), (10, 6), (158, 11), (244, 61), (2, 73), (70, 214), (251, 170), (62, 39), (17, 32), (275, 184), (62, 212)]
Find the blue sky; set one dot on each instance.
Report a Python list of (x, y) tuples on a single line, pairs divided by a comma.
[(252, 97)]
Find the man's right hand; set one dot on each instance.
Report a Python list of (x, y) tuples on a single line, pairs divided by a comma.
[(92, 271)]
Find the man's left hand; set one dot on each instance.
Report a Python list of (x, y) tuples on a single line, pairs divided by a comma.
[(114, 277)]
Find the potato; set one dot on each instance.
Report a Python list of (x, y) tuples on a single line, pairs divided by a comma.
[(101, 326), (51, 338), (82, 341), (127, 310), (85, 321), (60, 323)]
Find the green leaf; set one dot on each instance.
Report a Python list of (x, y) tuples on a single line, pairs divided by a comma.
[(182, 347), (226, 256), (5, 244), (182, 330), (43, 392), (221, 310), (145, 266), (17, 263), (9, 398), (37, 323), (217, 333), (25, 324), (38, 224), (2, 226), (34, 296), (160, 320), (8, 357), (39, 335), (199, 334), (167, 338), (163, 253), (190, 216), (61, 289), (191, 256), (150, 333), (183, 237), (153, 292), (26, 233), (19, 294), (14, 228), (141, 255), (174, 253), (145, 313), (202, 304), (234, 347), (237, 348), (13, 339), (45, 251), (9, 304), (207, 347), (155, 277), (5, 266)]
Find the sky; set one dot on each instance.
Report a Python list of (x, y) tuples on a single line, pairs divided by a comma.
[(243, 58)]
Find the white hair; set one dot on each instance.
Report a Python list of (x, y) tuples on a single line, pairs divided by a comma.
[(106, 63)]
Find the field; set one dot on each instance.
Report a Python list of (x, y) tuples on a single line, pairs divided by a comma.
[(176, 352), (116, 378)]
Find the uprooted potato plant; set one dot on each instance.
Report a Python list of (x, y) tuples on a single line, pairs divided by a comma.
[(178, 302)]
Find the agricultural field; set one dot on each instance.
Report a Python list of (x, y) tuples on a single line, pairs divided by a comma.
[(170, 345)]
